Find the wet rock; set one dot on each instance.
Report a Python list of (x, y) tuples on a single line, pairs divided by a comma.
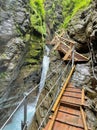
[(11, 59), (17, 75), (91, 118), (81, 75)]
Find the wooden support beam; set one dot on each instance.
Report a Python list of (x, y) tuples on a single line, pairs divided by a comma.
[(63, 89), (56, 46), (67, 40), (53, 118), (83, 56), (83, 118), (67, 54)]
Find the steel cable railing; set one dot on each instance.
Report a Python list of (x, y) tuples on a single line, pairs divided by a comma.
[(54, 98), (25, 96)]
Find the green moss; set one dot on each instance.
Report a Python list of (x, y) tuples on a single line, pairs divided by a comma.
[(60, 12), (2, 75), (35, 53), (37, 16), (27, 37), (31, 61), (71, 7)]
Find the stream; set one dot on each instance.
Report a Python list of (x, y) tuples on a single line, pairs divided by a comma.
[(15, 123)]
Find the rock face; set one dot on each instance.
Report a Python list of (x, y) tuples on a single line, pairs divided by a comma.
[(54, 16), (10, 63), (19, 55), (83, 27), (81, 75)]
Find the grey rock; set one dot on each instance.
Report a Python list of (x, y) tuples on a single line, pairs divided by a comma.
[(81, 75)]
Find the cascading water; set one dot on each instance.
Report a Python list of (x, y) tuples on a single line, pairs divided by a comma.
[(15, 123), (45, 66)]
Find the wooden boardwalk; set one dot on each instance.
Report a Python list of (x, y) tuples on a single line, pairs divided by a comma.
[(68, 110), (65, 46), (69, 114)]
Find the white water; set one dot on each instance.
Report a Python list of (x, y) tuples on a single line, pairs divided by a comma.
[(45, 66), (15, 123)]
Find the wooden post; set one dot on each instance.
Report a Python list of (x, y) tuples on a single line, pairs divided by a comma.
[(67, 54), (56, 46), (63, 89)]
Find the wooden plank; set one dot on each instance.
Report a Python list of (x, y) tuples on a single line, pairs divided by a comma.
[(67, 54), (83, 97), (82, 56), (63, 89), (83, 118), (53, 119), (69, 123)]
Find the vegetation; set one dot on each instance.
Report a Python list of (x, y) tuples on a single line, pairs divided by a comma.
[(60, 12), (37, 16), (71, 7)]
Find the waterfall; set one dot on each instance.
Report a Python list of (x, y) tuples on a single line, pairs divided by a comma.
[(45, 66), (15, 123)]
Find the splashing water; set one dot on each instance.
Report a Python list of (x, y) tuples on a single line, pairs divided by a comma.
[(15, 123)]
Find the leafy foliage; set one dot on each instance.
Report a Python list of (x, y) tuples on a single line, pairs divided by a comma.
[(71, 7), (37, 15)]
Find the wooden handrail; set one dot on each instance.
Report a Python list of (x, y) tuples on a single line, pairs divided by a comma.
[(63, 89), (53, 118), (83, 118)]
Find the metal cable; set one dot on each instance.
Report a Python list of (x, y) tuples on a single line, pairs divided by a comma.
[(12, 113), (92, 61), (47, 96), (51, 88), (27, 94), (46, 79)]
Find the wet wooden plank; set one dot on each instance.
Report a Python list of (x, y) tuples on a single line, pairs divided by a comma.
[(73, 89), (71, 100), (70, 123), (69, 110), (60, 126), (77, 95)]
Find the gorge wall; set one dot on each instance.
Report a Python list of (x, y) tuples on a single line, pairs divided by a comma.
[(21, 52)]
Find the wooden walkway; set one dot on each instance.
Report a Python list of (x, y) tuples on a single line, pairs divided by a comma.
[(65, 46), (68, 110), (69, 114)]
